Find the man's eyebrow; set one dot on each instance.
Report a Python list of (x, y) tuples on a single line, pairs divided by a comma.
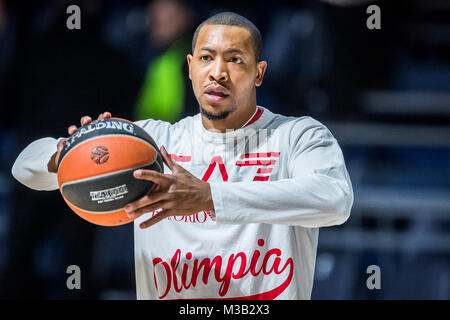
[(234, 50), (229, 50), (208, 49)]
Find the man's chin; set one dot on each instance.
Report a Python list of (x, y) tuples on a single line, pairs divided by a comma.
[(215, 115)]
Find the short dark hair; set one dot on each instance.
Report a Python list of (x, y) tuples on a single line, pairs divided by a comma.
[(233, 19)]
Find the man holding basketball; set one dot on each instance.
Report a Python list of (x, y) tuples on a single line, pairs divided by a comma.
[(239, 212)]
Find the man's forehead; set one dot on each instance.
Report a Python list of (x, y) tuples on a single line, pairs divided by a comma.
[(223, 37)]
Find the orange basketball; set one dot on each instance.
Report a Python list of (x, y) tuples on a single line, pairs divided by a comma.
[(95, 170)]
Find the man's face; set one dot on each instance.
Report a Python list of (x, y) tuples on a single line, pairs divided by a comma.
[(224, 71)]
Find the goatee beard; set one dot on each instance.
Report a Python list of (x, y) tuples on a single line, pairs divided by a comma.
[(210, 116)]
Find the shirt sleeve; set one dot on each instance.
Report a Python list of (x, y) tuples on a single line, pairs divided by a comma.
[(317, 193), (30, 167)]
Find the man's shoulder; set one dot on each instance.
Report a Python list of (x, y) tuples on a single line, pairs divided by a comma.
[(164, 132), (160, 125), (283, 122)]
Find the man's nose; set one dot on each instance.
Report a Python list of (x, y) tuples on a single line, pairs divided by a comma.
[(218, 72)]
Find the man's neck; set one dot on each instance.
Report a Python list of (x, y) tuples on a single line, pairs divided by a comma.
[(234, 121)]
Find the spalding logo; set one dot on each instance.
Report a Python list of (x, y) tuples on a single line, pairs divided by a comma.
[(100, 155), (98, 125)]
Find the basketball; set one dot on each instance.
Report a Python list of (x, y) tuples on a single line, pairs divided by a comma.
[(95, 169)]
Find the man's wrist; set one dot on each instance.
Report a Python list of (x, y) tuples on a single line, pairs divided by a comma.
[(209, 200), (51, 165)]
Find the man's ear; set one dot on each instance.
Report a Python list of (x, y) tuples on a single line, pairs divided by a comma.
[(260, 70), (189, 60)]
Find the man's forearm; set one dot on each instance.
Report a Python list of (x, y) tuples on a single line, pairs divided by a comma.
[(31, 166), (309, 201)]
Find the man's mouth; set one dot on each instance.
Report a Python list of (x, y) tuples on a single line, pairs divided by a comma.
[(216, 93)]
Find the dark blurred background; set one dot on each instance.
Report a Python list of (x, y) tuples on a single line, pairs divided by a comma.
[(385, 95)]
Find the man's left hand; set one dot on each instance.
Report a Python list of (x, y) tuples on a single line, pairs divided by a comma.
[(175, 194)]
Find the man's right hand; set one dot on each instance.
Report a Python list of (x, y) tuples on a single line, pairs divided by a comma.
[(53, 163)]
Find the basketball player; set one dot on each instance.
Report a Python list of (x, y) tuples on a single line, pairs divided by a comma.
[(238, 210)]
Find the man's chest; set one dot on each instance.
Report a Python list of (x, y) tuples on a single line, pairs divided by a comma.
[(254, 166), (258, 156)]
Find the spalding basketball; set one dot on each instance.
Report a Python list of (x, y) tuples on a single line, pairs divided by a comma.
[(95, 169)]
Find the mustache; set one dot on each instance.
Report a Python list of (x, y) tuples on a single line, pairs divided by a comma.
[(215, 84)]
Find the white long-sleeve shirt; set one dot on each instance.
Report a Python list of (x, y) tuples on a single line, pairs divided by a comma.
[(274, 182)]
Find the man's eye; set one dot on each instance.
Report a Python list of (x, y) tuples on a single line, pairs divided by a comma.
[(204, 58), (236, 60)]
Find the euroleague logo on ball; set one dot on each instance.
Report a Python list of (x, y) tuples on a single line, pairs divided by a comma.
[(100, 155)]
